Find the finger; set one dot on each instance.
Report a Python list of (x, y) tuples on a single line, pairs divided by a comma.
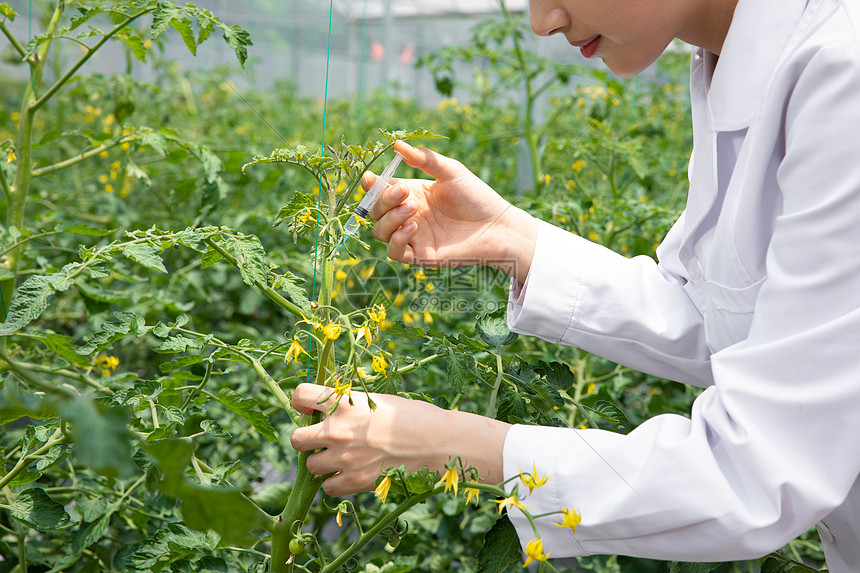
[(393, 196), (392, 221), (310, 397), (433, 164), (399, 248), (348, 483), (307, 438), (322, 463)]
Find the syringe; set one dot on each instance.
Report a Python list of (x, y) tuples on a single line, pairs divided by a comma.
[(372, 196)]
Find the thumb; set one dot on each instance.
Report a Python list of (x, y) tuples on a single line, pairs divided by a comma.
[(433, 164)]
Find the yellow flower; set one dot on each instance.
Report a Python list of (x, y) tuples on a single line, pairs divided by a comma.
[(534, 552), (125, 146), (508, 502), (331, 331), (294, 351), (398, 300), (377, 313), (578, 165), (107, 364), (379, 364), (533, 481), (11, 157), (339, 518), (429, 287), (450, 480), (103, 154), (103, 179), (428, 317), (341, 389), (569, 518), (364, 332), (472, 494), (382, 489), (305, 217), (109, 188), (362, 374), (340, 275), (362, 221), (419, 275)]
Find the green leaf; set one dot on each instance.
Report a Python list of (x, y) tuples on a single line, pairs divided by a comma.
[(183, 27), (403, 135), (56, 454), (146, 254), (109, 332), (84, 230), (493, 328), (101, 436), (291, 285), (501, 550), (223, 510), (238, 39), (213, 428), (7, 12), (36, 509), (610, 412), (180, 362), (251, 258), (513, 407), (416, 483), (557, 374), (169, 544), (402, 330), (177, 343), (27, 476), (62, 345), (34, 296), (250, 411), (98, 293), (134, 42), (460, 369)]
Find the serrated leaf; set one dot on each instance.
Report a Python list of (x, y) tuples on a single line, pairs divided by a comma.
[(403, 135), (402, 330), (512, 407), (460, 370), (610, 412), (34, 296), (85, 230), (146, 254), (62, 345), (213, 428), (557, 374), (134, 42), (248, 409), (180, 362), (183, 27), (109, 332), (98, 293), (251, 258), (56, 454), (501, 549), (177, 343), (416, 483), (292, 286), (493, 328), (36, 509), (238, 39)]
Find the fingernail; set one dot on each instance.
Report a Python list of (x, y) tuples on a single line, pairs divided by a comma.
[(406, 208)]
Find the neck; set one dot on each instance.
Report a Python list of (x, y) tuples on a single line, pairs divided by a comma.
[(708, 24)]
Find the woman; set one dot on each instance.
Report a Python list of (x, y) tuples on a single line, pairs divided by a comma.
[(756, 297)]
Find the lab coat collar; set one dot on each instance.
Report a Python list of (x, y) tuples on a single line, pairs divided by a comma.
[(749, 57)]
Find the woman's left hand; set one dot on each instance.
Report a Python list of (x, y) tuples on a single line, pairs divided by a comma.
[(357, 444)]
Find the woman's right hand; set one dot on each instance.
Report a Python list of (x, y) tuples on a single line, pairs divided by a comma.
[(454, 220)]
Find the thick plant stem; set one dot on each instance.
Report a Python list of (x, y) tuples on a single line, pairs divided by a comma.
[(299, 503)]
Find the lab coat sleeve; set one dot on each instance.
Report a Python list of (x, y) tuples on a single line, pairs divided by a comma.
[(632, 311), (771, 447)]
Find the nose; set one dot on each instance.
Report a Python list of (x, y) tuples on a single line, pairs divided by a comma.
[(546, 21)]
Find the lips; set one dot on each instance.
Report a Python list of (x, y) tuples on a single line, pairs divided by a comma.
[(589, 46)]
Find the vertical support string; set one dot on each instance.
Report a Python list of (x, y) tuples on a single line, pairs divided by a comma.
[(319, 194)]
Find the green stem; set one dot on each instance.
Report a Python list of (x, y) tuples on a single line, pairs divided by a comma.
[(24, 461), (70, 73), (499, 373), (80, 157), (302, 495), (17, 193), (18, 46), (270, 382)]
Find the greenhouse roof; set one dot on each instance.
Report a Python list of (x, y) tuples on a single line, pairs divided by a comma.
[(373, 9)]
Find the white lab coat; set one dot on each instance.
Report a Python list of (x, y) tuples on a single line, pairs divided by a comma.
[(756, 297)]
